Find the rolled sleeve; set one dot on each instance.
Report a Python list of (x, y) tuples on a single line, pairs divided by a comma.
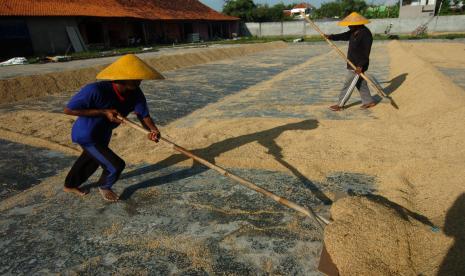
[(341, 37), (141, 108), (82, 100)]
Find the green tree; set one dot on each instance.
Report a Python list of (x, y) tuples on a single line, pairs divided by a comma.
[(277, 14), (329, 10), (394, 10), (348, 6), (240, 8), (340, 8), (261, 14), (248, 11), (445, 7), (382, 11)]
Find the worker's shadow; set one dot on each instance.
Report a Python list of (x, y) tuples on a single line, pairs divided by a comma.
[(265, 138), (454, 262), (403, 212), (393, 85)]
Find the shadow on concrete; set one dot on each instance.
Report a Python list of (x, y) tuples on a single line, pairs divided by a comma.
[(454, 262), (395, 83), (265, 138), (244, 30)]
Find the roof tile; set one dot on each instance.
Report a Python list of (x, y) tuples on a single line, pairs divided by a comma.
[(143, 9)]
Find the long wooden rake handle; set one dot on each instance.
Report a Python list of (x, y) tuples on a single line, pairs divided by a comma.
[(363, 75), (306, 211)]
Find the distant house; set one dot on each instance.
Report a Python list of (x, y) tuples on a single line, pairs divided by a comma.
[(54, 27), (287, 13), (298, 9), (417, 8), (457, 6)]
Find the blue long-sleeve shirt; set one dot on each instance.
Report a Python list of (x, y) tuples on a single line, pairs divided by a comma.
[(101, 95)]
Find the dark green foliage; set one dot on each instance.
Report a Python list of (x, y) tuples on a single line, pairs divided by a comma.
[(240, 8), (382, 11), (445, 7), (247, 11), (340, 8), (329, 10)]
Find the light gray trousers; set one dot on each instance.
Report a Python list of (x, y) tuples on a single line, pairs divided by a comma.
[(349, 85)]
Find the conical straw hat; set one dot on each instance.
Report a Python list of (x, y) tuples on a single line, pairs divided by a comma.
[(129, 67), (353, 19)]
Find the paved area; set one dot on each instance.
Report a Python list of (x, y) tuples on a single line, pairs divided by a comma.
[(185, 220), (24, 166), (457, 75), (34, 69), (279, 76), (171, 221)]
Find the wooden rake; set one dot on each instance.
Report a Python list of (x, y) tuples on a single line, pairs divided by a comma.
[(306, 211), (378, 89)]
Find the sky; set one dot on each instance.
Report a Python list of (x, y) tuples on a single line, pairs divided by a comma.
[(218, 4)]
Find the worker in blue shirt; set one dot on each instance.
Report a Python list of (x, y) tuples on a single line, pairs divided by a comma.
[(98, 106)]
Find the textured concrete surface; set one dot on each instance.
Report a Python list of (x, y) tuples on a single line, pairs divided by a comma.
[(24, 166), (176, 220), (457, 75), (33, 69), (189, 89)]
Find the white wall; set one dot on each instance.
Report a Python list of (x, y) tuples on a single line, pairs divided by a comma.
[(454, 23)]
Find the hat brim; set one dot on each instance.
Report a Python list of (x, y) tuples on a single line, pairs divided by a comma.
[(129, 67), (356, 23), (113, 77)]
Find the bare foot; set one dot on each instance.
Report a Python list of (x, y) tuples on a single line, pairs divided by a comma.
[(369, 105), (76, 191), (108, 195), (336, 108)]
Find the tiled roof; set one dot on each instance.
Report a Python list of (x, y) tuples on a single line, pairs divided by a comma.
[(303, 6), (144, 9)]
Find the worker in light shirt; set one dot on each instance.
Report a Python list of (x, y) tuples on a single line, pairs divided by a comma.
[(360, 41)]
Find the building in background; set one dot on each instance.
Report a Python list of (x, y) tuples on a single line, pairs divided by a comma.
[(298, 9), (38, 27), (417, 8)]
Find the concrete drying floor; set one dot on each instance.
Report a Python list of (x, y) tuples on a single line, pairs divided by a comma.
[(184, 220)]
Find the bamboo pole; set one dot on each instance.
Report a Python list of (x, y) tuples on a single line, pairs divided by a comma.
[(306, 211), (363, 75)]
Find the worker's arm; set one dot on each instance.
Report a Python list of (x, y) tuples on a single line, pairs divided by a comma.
[(83, 104), (111, 114), (337, 37), (148, 124), (142, 111), (366, 40)]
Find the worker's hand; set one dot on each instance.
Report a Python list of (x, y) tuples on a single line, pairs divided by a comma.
[(358, 70), (327, 36), (154, 135), (112, 115)]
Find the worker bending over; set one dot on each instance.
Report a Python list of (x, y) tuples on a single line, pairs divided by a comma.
[(98, 106)]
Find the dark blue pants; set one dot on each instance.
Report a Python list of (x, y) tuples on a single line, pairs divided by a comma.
[(92, 157)]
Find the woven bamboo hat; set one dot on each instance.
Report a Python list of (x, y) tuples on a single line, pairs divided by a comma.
[(353, 19), (129, 67)]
